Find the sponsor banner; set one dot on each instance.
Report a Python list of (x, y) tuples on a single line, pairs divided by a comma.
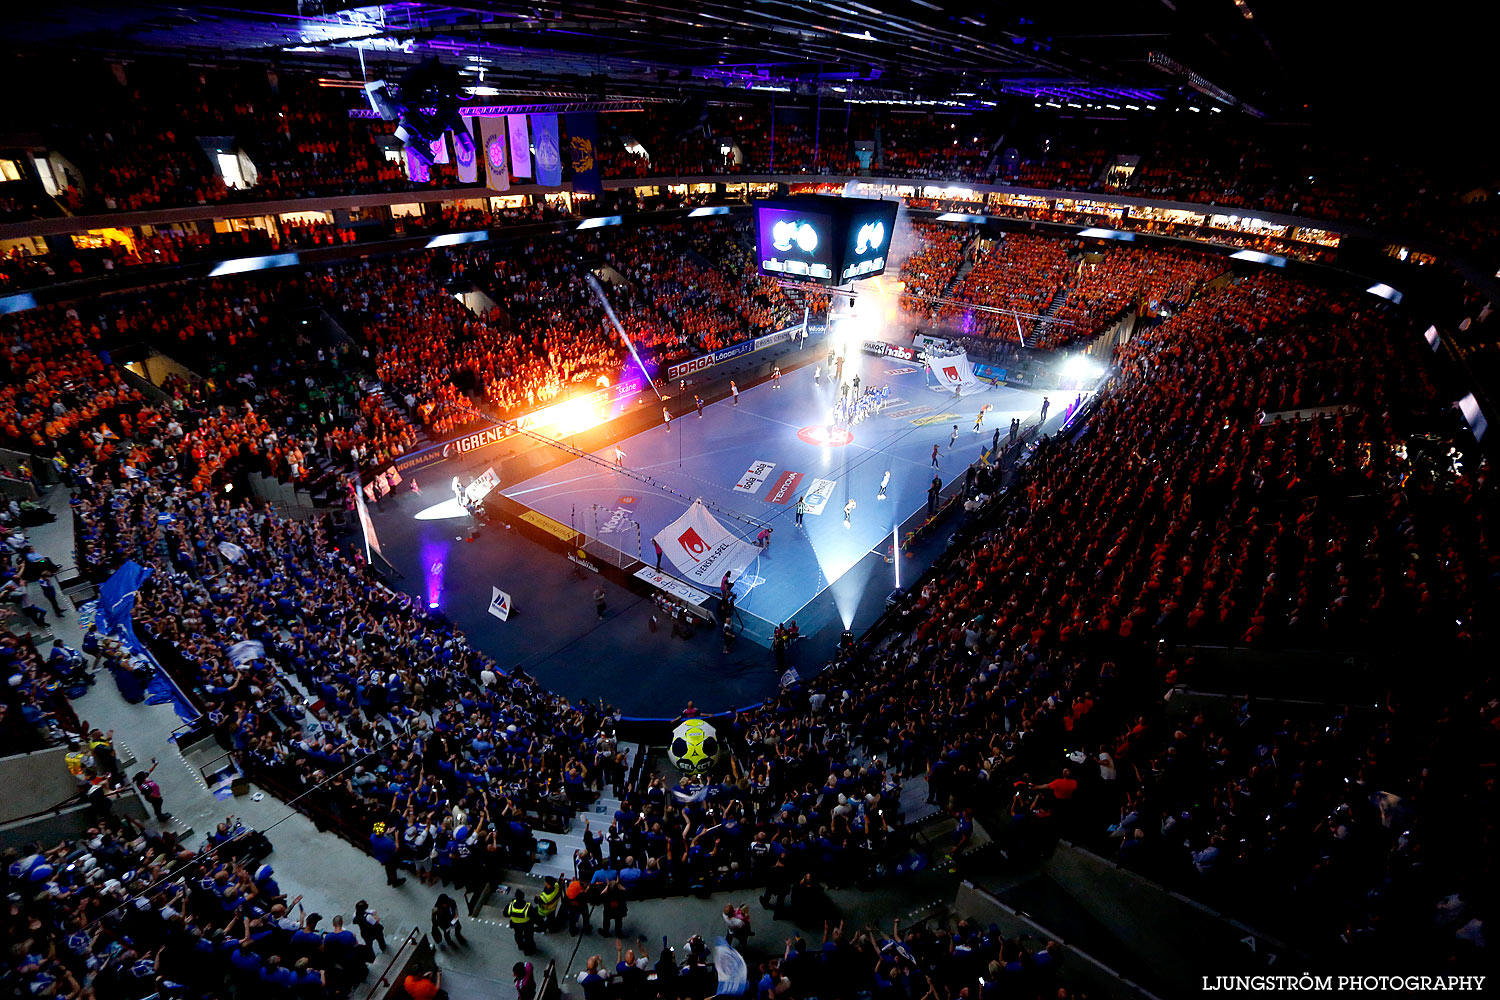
[(464, 153), (709, 360), (784, 488), (936, 418), (462, 445), (578, 559), (672, 585), (906, 411), (620, 519), (554, 528), (701, 548), (480, 488), (520, 145), (472, 442), (684, 368), (817, 496), (492, 144), (900, 371), (548, 155), (597, 398), (757, 474), (989, 373), (417, 461), (583, 149), (772, 339), (889, 350), (500, 604)]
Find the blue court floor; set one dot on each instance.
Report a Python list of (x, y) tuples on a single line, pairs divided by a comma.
[(757, 446)]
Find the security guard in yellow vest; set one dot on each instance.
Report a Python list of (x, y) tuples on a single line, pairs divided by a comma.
[(522, 916), (547, 903)]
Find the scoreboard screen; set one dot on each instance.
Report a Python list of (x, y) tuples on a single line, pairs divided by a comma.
[(823, 239), (867, 237)]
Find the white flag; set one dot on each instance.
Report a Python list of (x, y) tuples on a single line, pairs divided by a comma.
[(701, 548)]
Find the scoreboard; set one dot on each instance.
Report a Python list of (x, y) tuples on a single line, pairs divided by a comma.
[(823, 239)]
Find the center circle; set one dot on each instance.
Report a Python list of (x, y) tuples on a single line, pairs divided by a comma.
[(826, 437)]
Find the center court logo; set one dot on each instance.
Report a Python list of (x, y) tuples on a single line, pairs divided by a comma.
[(826, 437)]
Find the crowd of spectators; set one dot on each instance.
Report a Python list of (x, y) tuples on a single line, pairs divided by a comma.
[(1183, 514), (1268, 470), (933, 266), (1018, 272), (126, 912), (152, 131), (1126, 277)]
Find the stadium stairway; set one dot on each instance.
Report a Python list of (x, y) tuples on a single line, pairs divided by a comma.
[(325, 486), (598, 815), (963, 268), (1058, 298)]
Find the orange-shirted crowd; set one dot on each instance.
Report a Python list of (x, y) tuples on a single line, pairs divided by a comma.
[(1021, 273)]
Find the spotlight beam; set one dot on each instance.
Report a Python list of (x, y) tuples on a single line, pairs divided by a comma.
[(609, 311)]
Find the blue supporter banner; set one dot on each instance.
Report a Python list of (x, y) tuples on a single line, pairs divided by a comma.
[(583, 146), (117, 603), (548, 157)]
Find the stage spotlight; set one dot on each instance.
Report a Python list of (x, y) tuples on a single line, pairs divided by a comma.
[(846, 639), (379, 95), (432, 604), (1081, 367)]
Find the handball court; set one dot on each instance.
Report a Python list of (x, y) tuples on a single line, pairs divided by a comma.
[(825, 575)]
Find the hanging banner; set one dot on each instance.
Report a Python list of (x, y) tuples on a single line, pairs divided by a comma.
[(463, 154), (440, 149), (520, 146), (496, 161), (500, 604), (548, 157), (702, 549), (583, 147), (417, 170)]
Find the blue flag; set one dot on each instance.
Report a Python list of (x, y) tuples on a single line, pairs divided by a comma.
[(548, 156), (117, 603), (583, 146)]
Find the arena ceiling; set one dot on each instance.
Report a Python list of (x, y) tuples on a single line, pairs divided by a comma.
[(928, 48), (1288, 59)]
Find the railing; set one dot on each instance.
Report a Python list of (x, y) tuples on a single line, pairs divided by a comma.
[(403, 954), (475, 900)]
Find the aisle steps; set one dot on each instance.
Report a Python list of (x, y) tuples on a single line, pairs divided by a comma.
[(598, 815)]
